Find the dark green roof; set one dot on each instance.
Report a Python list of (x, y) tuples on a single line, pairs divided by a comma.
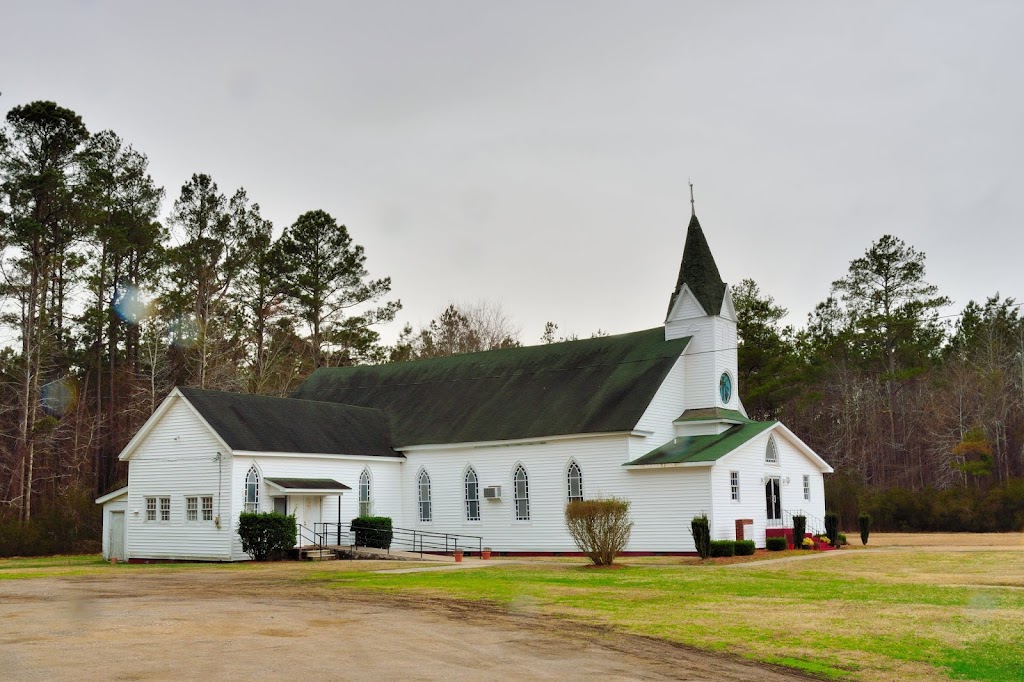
[(308, 484), (699, 272), (707, 448), (711, 414), (589, 386), (264, 424)]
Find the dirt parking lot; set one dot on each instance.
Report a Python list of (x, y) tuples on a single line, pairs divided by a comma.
[(218, 624)]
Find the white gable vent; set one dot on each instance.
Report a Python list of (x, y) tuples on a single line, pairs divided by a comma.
[(492, 492)]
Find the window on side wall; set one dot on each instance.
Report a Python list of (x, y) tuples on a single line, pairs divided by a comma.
[(575, 482), (807, 487), (522, 494), (165, 509), (191, 508), (252, 491), (151, 509), (424, 496), (734, 485), (365, 500), (472, 495)]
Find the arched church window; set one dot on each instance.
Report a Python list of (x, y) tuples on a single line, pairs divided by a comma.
[(472, 483), (771, 453), (522, 494), (252, 491), (575, 481), (365, 501), (424, 496)]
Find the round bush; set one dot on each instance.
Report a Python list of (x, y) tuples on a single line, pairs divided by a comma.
[(776, 544)]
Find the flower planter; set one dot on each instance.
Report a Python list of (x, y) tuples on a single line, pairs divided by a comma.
[(485, 554), (458, 556)]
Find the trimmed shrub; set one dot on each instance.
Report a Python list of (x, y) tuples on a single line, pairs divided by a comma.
[(600, 528), (776, 544), (373, 531), (799, 530), (700, 528), (266, 535), (723, 548), (745, 548), (842, 540), (864, 520), (832, 528)]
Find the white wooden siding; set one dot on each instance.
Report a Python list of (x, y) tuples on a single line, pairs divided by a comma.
[(118, 504), (748, 460), (663, 501), (178, 459), (384, 475), (668, 403)]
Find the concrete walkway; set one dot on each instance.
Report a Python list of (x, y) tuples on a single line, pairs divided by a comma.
[(802, 557), (465, 563)]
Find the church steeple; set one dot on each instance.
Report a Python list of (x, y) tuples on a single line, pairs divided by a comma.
[(698, 270)]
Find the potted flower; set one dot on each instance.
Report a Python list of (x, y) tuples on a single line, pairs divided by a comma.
[(485, 553), (808, 543), (458, 556)]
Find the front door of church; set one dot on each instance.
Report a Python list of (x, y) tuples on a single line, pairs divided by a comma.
[(773, 500)]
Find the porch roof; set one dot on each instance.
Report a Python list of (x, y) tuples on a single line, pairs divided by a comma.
[(312, 486), (704, 449)]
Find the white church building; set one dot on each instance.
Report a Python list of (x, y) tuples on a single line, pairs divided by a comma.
[(491, 445)]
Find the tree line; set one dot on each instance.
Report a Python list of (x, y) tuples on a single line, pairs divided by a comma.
[(107, 304), (920, 413)]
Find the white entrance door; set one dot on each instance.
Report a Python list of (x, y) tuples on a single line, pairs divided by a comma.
[(115, 542), (307, 510)]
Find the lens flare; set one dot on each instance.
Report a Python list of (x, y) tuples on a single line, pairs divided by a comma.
[(132, 304), (57, 397)]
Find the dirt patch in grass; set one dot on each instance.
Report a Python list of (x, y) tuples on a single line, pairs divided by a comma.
[(281, 621)]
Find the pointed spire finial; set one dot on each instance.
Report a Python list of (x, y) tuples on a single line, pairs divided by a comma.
[(693, 207)]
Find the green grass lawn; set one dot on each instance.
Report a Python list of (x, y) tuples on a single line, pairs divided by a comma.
[(870, 616)]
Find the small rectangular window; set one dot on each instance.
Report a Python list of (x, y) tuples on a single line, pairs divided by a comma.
[(807, 487), (151, 509), (207, 509), (165, 509), (734, 485), (191, 508)]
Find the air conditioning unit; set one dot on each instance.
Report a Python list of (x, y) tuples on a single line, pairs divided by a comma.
[(492, 492)]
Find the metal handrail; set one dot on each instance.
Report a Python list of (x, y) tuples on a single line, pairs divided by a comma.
[(815, 526), (422, 541), (317, 539)]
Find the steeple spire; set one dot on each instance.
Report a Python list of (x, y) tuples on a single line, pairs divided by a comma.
[(698, 270), (693, 206)]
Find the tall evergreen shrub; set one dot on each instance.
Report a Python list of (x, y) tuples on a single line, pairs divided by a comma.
[(700, 528), (865, 527), (799, 530), (832, 528)]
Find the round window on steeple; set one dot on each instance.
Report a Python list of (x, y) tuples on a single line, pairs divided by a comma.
[(725, 388)]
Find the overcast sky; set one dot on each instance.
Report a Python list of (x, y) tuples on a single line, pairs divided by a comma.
[(538, 153)]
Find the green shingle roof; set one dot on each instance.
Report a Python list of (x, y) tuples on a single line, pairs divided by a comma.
[(699, 272), (264, 424), (711, 414), (709, 448), (589, 386)]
